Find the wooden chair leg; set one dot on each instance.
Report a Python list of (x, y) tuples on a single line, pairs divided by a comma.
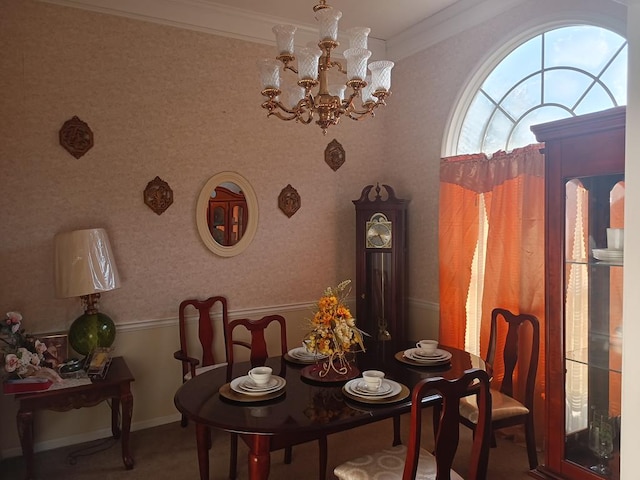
[(437, 412), (184, 421), (530, 438), (396, 431), (288, 453), (233, 456), (322, 457)]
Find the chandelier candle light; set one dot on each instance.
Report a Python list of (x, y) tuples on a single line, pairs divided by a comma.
[(329, 104)]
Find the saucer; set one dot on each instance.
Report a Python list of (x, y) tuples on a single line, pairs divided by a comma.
[(239, 385), (250, 385), (440, 357), (361, 388), (391, 388)]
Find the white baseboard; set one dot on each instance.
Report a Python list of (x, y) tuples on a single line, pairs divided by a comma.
[(89, 436)]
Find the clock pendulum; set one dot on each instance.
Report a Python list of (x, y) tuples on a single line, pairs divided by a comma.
[(383, 332)]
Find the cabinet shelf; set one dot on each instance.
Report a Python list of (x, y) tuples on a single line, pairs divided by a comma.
[(602, 361)]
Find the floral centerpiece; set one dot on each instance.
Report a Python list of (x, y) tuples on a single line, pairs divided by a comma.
[(333, 330), (22, 354)]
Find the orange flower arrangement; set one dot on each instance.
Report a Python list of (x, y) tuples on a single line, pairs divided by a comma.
[(333, 328)]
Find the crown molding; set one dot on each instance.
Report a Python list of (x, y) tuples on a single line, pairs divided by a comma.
[(455, 19), (210, 17)]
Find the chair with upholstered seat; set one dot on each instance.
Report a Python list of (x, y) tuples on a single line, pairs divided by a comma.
[(507, 411), (207, 310), (410, 462), (257, 356)]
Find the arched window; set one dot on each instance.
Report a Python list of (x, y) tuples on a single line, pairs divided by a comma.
[(563, 72)]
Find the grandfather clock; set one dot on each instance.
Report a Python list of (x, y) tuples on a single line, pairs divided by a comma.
[(381, 249)]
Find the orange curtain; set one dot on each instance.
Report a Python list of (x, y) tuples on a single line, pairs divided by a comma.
[(513, 188)]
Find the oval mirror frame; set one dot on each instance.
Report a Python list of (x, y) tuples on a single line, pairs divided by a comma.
[(203, 204)]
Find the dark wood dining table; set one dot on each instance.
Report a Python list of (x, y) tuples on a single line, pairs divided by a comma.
[(307, 409)]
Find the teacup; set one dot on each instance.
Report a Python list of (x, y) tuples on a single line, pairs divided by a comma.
[(615, 238), (373, 379), (260, 375), (427, 347)]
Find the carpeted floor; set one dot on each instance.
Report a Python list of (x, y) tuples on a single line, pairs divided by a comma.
[(169, 452)]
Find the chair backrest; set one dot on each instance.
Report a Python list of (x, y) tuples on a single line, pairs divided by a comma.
[(510, 352), (474, 382), (258, 343), (205, 310)]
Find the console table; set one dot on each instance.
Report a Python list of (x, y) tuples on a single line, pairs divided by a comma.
[(115, 386)]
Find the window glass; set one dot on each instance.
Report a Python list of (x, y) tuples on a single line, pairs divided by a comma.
[(564, 72)]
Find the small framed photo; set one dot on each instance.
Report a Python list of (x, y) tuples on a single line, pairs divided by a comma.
[(57, 348)]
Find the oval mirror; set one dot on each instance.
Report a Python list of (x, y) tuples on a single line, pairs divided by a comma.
[(227, 214)]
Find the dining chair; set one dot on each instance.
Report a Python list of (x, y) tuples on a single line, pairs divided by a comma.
[(258, 354), (410, 462), (192, 366), (507, 411)]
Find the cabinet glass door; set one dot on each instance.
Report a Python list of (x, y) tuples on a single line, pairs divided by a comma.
[(593, 322)]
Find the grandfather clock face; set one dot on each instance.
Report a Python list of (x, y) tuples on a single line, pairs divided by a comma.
[(378, 232)]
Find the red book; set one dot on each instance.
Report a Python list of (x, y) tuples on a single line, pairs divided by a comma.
[(25, 385)]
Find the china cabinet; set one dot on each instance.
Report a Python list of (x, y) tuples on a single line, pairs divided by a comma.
[(227, 216), (584, 171)]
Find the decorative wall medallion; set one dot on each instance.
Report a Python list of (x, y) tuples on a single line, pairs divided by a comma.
[(76, 137), (158, 196), (289, 200), (334, 155)]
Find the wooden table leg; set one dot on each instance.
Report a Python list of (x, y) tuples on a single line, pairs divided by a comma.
[(127, 412), (259, 457), (25, 431), (115, 416), (203, 442)]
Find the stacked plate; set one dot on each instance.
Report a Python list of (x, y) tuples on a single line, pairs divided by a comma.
[(303, 355), (438, 357), (358, 388), (608, 254), (246, 386)]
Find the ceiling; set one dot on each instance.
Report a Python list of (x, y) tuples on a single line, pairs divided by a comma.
[(398, 27)]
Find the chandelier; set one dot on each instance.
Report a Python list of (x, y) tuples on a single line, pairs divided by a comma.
[(301, 102)]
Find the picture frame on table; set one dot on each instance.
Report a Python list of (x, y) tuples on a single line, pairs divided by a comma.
[(57, 351)]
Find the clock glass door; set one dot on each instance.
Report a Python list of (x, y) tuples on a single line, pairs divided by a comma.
[(379, 323)]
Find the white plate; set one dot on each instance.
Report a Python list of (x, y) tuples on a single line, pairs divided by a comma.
[(607, 254), (249, 385), (350, 387), (437, 355), (443, 357), (361, 388), (237, 382), (301, 353)]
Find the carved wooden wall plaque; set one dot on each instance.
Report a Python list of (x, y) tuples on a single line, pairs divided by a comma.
[(76, 137), (289, 200), (334, 155), (158, 196)]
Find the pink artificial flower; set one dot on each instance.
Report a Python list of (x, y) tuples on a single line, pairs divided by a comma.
[(40, 347), (11, 362), (13, 320)]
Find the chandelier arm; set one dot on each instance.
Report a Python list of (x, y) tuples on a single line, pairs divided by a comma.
[(279, 110), (336, 63)]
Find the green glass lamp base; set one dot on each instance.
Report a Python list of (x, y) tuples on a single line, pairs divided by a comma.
[(90, 331)]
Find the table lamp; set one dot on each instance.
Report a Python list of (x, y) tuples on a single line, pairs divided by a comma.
[(84, 267)]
